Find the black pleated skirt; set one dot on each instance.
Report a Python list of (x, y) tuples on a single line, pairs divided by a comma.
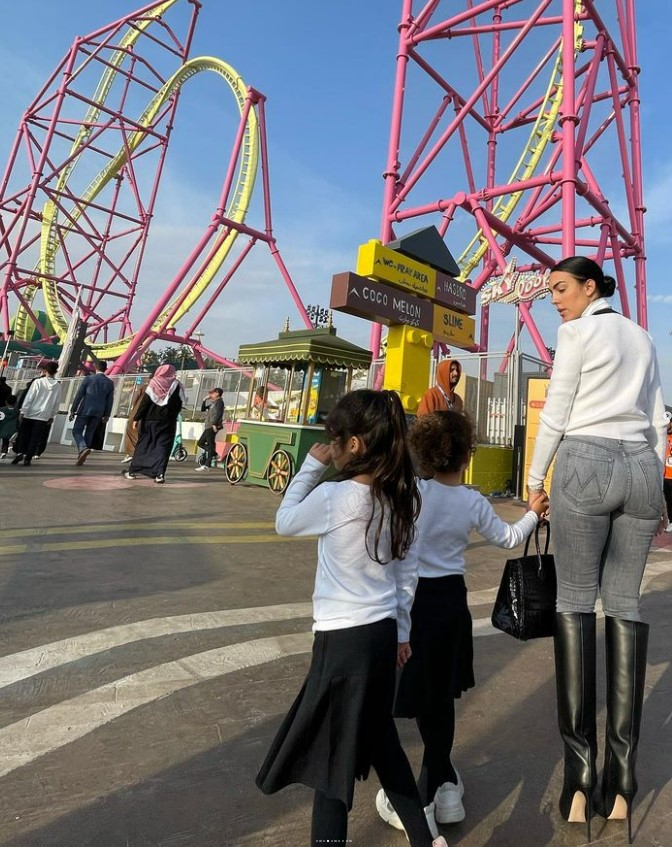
[(442, 663), (324, 741)]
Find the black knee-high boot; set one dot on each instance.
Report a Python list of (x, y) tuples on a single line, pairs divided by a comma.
[(575, 679), (626, 648)]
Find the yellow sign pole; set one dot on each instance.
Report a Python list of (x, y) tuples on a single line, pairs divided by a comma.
[(408, 364)]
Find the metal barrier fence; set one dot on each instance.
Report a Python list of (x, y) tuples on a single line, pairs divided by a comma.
[(234, 382), (493, 389), (492, 385)]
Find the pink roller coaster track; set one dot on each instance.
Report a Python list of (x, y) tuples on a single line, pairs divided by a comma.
[(490, 63), (93, 106)]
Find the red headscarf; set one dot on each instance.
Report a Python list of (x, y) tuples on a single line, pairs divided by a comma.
[(162, 385)]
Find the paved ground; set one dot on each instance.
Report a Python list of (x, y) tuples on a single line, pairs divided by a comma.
[(152, 637)]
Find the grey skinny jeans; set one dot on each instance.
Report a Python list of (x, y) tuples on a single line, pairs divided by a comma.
[(606, 502)]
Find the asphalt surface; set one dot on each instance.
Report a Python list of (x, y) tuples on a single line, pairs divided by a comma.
[(152, 638)]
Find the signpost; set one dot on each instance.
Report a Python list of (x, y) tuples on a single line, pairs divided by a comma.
[(420, 303), (376, 301)]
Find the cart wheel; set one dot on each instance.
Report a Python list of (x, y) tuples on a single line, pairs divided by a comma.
[(180, 454), (235, 467), (279, 471)]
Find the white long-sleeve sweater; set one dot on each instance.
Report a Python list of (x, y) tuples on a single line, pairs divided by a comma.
[(42, 400), (351, 589), (449, 514), (605, 383)]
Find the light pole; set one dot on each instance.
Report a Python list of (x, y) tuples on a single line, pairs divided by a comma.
[(198, 336), (3, 365)]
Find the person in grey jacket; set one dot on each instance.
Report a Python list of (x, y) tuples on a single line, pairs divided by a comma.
[(213, 406), (92, 404)]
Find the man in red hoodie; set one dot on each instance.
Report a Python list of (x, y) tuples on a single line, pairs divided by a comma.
[(442, 396)]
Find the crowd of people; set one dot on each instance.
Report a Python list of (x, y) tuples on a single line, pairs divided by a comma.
[(26, 419)]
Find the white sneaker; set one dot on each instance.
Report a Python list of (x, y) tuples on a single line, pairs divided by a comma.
[(386, 811), (2, 455), (201, 468), (448, 806), (126, 459)]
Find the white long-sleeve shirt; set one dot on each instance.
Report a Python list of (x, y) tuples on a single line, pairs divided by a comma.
[(351, 589), (42, 400), (605, 383), (449, 514)]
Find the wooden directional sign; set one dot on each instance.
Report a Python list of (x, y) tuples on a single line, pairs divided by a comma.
[(375, 301), (453, 327), (387, 265), (373, 259), (456, 295)]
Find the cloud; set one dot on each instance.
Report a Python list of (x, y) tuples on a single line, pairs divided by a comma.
[(660, 298)]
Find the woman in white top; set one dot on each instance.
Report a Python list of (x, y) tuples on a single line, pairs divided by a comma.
[(604, 422), (441, 664), (341, 723)]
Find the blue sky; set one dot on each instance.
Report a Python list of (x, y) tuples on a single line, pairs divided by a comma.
[(327, 70)]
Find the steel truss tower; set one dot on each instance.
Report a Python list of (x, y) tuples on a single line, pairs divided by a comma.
[(531, 147)]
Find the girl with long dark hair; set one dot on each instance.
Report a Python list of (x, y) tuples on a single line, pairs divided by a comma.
[(341, 723), (604, 421)]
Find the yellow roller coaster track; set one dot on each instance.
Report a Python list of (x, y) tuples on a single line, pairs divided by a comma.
[(541, 134), (236, 211)]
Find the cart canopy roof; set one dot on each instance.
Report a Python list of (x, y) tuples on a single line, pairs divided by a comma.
[(320, 346)]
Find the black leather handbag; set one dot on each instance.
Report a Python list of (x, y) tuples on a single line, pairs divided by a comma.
[(525, 604)]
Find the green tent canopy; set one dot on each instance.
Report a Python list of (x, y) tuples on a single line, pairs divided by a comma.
[(320, 346)]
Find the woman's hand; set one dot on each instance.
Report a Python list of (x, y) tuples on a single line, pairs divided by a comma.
[(403, 653), (321, 452), (135, 424)]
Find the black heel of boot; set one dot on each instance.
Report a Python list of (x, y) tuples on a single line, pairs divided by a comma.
[(622, 810), (576, 807)]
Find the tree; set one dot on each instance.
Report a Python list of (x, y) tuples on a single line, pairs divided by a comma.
[(150, 359), (181, 357)]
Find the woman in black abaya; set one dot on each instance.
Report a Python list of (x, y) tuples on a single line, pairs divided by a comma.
[(158, 413)]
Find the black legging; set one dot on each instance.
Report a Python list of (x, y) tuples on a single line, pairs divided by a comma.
[(207, 443), (330, 817), (437, 732)]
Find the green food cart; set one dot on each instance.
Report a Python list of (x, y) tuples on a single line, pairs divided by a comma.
[(298, 378)]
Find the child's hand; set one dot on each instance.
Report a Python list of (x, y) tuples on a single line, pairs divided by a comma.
[(403, 653), (321, 452), (538, 502)]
